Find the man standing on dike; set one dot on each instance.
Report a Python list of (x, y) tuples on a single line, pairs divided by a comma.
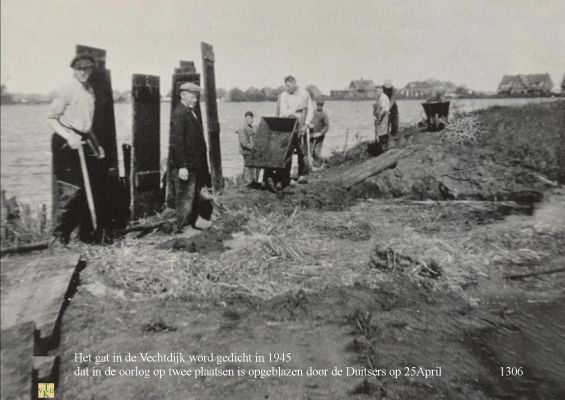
[(189, 157), (70, 116), (381, 110), (393, 117), (296, 102)]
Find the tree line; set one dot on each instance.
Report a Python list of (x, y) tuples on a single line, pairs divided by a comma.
[(264, 94)]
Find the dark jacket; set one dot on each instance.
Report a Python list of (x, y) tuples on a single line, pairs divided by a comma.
[(187, 144), (246, 134)]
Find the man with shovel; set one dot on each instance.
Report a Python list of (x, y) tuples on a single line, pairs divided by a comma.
[(70, 117), (296, 102)]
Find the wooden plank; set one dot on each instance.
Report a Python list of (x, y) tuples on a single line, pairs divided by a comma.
[(104, 128), (34, 289), (17, 361), (214, 148), (104, 124), (145, 161), (24, 248)]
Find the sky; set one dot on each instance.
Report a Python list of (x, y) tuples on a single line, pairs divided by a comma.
[(258, 42)]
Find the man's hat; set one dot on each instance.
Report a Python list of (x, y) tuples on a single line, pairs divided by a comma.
[(84, 61), (189, 87), (388, 83)]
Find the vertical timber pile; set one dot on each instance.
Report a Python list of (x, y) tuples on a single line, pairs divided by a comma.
[(104, 124), (145, 160), (104, 128), (214, 150), (185, 73)]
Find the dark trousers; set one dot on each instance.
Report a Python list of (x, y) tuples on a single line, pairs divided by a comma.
[(71, 208), (393, 120), (316, 149), (189, 204), (302, 153)]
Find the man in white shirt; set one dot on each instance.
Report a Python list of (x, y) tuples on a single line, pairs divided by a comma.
[(381, 110), (296, 102), (70, 117)]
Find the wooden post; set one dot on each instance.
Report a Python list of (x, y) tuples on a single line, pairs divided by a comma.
[(214, 149), (104, 128), (104, 124), (185, 73), (145, 160)]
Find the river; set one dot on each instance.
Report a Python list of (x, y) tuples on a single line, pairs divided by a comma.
[(25, 137)]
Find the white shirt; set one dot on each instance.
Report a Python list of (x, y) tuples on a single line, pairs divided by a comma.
[(73, 106), (382, 105), (296, 104)]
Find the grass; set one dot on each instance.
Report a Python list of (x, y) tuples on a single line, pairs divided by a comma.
[(21, 223)]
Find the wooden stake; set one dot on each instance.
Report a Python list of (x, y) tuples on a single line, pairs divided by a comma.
[(214, 149)]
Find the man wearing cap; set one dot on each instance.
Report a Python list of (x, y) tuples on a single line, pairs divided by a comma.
[(296, 102), (188, 156), (393, 117), (70, 116), (320, 125), (380, 114)]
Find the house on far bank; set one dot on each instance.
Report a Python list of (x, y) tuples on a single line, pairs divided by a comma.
[(428, 89), (363, 88), (522, 84), (563, 85), (358, 89)]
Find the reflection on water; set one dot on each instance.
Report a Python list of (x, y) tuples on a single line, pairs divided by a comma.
[(26, 158)]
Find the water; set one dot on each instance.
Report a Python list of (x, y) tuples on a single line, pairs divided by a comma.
[(25, 137)]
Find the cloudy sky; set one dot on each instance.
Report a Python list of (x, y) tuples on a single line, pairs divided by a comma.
[(258, 42)]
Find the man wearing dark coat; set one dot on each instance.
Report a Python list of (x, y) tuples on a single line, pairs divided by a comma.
[(189, 157)]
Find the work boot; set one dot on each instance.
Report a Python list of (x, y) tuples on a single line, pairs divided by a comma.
[(302, 179)]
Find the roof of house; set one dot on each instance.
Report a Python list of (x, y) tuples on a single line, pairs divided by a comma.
[(362, 84), (530, 81)]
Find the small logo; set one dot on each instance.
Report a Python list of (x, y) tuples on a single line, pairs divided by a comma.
[(46, 390)]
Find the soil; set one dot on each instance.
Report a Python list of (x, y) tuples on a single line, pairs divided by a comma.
[(381, 277)]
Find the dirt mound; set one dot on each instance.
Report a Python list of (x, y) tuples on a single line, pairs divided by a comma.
[(515, 154)]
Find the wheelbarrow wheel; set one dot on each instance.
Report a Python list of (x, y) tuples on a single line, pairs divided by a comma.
[(277, 179)]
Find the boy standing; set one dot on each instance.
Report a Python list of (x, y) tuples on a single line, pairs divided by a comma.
[(320, 125), (246, 134)]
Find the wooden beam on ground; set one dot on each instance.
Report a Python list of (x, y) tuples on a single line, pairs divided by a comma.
[(24, 248), (145, 180), (358, 173), (214, 149)]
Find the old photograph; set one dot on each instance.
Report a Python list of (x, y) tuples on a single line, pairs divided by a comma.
[(282, 199)]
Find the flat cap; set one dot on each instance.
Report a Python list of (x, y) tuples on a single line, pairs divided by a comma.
[(388, 83), (84, 61), (320, 102), (189, 87)]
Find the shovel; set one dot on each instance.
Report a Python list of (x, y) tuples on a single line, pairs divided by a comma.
[(87, 187)]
